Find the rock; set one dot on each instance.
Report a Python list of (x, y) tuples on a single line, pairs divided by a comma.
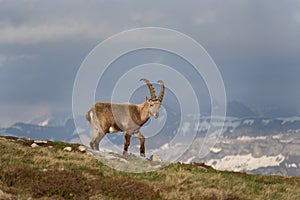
[(155, 158), (90, 153), (1, 192), (82, 149), (69, 149), (157, 166), (122, 160), (202, 168), (34, 145), (40, 141), (44, 170)]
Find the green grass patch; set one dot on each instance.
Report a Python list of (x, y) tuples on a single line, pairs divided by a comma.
[(50, 173)]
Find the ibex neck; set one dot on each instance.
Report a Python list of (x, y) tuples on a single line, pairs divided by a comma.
[(144, 111)]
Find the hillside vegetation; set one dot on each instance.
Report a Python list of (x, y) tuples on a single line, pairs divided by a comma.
[(48, 172)]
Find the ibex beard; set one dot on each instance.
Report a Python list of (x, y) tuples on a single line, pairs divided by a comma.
[(105, 117)]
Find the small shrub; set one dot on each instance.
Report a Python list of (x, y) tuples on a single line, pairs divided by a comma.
[(126, 188), (65, 184), (15, 176)]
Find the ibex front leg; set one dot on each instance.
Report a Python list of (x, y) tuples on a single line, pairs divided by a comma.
[(126, 143), (97, 136), (142, 143)]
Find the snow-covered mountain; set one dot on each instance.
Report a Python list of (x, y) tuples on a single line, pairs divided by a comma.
[(257, 126), (255, 145), (43, 131), (271, 154)]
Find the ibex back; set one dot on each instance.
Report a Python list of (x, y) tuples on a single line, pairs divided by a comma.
[(128, 118)]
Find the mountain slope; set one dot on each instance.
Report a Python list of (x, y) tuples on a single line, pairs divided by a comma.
[(51, 173)]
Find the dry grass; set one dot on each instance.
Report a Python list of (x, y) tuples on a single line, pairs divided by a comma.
[(50, 173)]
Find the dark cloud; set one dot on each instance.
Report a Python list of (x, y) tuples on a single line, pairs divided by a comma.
[(254, 43)]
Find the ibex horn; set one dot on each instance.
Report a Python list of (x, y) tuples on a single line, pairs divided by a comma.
[(151, 89), (162, 90)]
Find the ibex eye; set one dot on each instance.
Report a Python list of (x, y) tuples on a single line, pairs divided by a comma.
[(151, 105)]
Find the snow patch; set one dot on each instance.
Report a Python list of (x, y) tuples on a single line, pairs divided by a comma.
[(44, 123), (277, 137), (188, 161), (245, 162), (248, 122), (165, 146), (224, 141), (232, 124), (203, 126), (248, 138), (265, 122), (185, 128), (286, 141), (197, 126), (289, 119), (215, 150), (291, 165)]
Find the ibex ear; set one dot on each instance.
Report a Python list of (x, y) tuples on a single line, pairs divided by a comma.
[(147, 98)]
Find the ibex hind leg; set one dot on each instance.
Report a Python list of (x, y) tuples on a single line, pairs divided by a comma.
[(142, 147)]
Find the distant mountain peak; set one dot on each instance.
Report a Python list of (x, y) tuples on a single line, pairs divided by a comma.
[(44, 123), (238, 109)]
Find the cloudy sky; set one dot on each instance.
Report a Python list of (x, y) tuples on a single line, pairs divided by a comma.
[(254, 43)]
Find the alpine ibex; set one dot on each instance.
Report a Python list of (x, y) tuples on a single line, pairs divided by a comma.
[(128, 118)]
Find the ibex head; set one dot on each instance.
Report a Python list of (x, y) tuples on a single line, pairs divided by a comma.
[(153, 102)]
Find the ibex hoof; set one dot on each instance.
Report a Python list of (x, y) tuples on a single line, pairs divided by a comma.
[(142, 154), (94, 146), (125, 153)]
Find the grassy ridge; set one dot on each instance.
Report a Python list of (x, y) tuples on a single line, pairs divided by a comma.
[(50, 173)]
